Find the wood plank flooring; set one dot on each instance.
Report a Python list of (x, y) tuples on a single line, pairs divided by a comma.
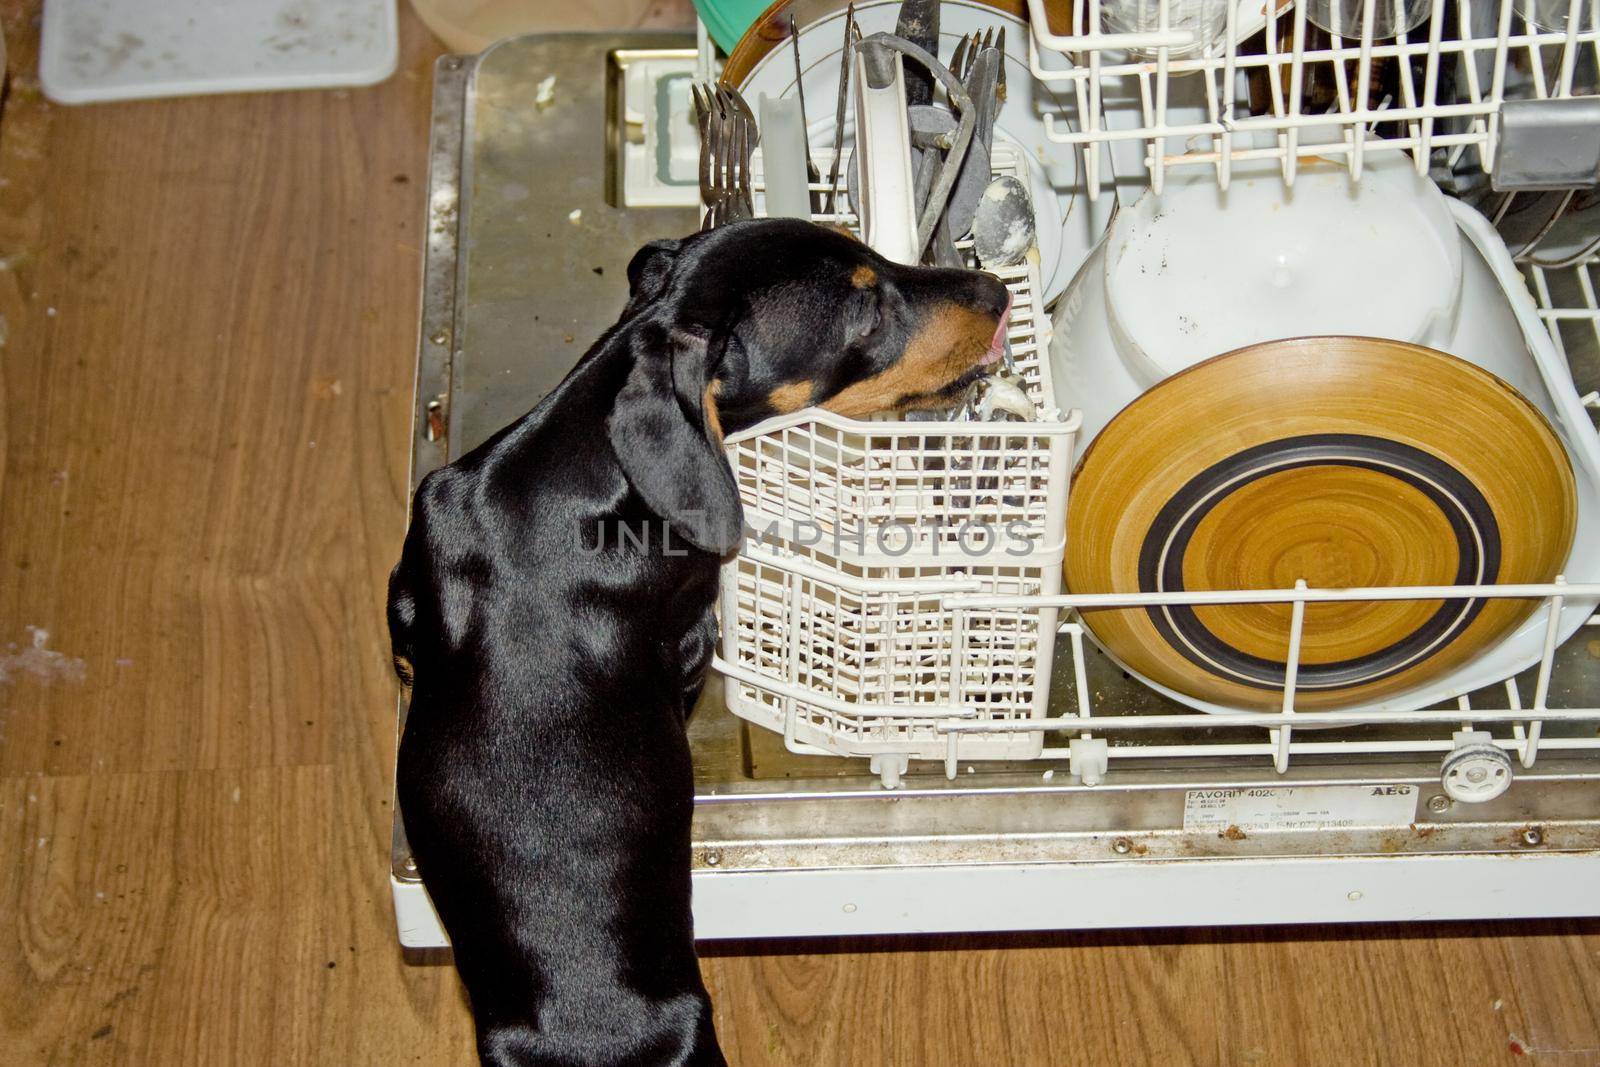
[(205, 358)]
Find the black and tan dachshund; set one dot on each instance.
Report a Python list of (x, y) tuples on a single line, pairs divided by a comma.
[(553, 610)]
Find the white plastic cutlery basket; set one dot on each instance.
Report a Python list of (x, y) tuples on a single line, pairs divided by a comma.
[(834, 633), (833, 629)]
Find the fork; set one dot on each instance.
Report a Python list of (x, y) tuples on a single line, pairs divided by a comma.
[(727, 131), (717, 154), (703, 121), (967, 49), (745, 136)]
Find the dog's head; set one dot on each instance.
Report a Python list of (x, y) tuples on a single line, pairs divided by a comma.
[(762, 318)]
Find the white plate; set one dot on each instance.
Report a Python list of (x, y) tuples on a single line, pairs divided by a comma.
[(1259, 260)]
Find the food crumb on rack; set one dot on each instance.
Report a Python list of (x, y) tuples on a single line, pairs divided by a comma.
[(575, 216), (1048, 774), (544, 97)]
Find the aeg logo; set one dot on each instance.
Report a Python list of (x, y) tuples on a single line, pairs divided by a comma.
[(1391, 791)]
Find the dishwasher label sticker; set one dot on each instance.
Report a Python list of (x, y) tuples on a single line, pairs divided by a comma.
[(1293, 807)]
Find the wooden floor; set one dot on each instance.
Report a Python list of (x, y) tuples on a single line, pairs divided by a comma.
[(205, 357)]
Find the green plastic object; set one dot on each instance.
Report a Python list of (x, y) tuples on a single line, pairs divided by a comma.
[(726, 20)]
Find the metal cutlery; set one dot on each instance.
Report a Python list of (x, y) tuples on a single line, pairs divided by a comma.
[(919, 24), (982, 62), (939, 193), (1003, 226), (813, 175), (728, 136), (958, 58), (845, 54)]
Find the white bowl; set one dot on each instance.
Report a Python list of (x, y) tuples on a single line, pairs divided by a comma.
[(1200, 270)]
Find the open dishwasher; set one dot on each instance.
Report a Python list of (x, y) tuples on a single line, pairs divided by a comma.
[(895, 741)]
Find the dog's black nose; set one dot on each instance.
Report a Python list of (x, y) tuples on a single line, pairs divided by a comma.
[(989, 293)]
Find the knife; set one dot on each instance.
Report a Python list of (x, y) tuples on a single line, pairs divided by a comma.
[(919, 24)]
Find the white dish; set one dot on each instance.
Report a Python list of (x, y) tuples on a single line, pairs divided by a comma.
[(1497, 327), (1201, 270)]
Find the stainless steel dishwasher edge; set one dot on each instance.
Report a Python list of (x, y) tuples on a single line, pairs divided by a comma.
[(527, 245)]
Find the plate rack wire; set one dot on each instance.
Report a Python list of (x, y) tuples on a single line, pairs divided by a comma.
[(1275, 85)]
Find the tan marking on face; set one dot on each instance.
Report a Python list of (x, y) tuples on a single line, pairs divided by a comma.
[(791, 397), (948, 345), (708, 400), (864, 277)]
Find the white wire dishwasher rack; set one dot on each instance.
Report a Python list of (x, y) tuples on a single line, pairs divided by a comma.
[(851, 648), (1433, 93)]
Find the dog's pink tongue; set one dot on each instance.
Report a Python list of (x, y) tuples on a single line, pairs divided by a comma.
[(997, 345)]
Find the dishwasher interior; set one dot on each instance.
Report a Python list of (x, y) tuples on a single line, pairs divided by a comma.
[(553, 159)]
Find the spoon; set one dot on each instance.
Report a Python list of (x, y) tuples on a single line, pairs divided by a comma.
[(1002, 225)]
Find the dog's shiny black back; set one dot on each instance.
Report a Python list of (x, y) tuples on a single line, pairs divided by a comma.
[(552, 608)]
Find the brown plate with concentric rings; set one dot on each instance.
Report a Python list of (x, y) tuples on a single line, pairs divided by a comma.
[(1345, 461)]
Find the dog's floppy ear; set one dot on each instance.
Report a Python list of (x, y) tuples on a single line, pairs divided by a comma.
[(659, 432), (648, 272)]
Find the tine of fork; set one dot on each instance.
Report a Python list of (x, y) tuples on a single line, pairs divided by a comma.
[(730, 176), (708, 146), (958, 57), (740, 193), (725, 151), (701, 107), (727, 135), (738, 103), (752, 138), (1000, 83), (718, 162)]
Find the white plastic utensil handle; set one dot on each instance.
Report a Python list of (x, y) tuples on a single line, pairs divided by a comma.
[(883, 161), (783, 155)]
